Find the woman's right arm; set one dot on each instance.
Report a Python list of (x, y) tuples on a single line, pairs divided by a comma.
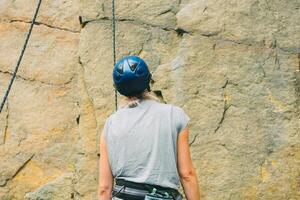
[(186, 170), (105, 175)]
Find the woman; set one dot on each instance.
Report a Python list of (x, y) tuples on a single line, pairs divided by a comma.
[(144, 145)]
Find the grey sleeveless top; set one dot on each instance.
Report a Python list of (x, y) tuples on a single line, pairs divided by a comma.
[(142, 142)]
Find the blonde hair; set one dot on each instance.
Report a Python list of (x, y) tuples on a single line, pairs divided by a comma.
[(133, 101)]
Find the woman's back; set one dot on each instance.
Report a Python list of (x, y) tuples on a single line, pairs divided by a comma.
[(141, 146), (142, 142)]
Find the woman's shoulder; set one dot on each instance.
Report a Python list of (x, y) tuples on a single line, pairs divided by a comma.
[(169, 107), (156, 106)]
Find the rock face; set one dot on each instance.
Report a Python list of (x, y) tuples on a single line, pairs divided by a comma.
[(233, 66)]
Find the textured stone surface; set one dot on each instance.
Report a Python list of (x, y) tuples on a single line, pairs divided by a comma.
[(59, 189), (45, 45), (38, 127), (53, 13), (232, 65)]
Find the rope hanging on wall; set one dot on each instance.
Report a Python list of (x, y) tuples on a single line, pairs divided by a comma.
[(21, 55), (114, 46), (26, 42)]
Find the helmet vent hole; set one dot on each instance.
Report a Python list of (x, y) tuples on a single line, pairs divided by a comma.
[(139, 71), (133, 66), (118, 77), (120, 68)]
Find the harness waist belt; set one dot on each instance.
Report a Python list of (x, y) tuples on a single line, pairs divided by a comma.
[(137, 191)]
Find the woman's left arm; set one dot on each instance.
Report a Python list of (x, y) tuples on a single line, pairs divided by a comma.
[(105, 174)]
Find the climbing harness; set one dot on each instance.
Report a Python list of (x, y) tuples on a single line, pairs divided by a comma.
[(21, 55), (120, 190), (140, 191), (156, 195), (114, 46)]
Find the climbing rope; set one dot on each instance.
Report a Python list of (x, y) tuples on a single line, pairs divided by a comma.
[(114, 45), (21, 55)]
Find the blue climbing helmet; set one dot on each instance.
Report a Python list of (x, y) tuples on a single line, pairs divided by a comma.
[(131, 76)]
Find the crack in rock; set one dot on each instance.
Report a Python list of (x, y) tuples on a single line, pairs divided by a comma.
[(90, 98), (136, 22), (261, 65), (261, 45), (34, 80), (22, 167), (89, 124), (225, 85), (295, 50), (180, 31), (164, 12), (44, 24), (179, 2), (17, 171), (194, 139), (85, 87), (141, 50), (225, 108), (224, 145), (84, 21), (276, 62)]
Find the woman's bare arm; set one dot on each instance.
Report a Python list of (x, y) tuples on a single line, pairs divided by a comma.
[(105, 174), (186, 170)]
